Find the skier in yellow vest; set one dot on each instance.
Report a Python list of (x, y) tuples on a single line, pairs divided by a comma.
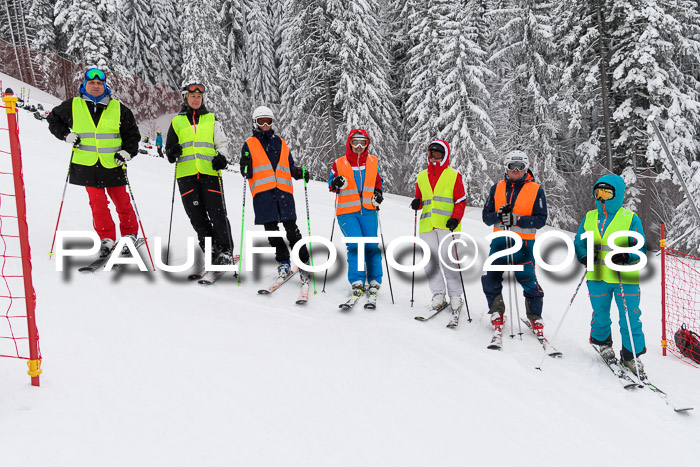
[(104, 135), (518, 204), (440, 194), (269, 167), (196, 141), (604, 283)]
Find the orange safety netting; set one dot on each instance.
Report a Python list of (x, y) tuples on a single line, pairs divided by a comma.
[(681, 296), (14, 332)]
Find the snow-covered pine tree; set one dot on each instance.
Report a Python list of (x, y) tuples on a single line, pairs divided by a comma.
[(40, 19), (464, 99), (165, 29), (524, 112), (263, 69), (135, 20), (204, 61), (82, 25), (363, 94)]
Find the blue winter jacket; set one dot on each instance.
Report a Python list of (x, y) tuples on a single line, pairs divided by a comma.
[(273, 205), (539, 211), (606, 213)]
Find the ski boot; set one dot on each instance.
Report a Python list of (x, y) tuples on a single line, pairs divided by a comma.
[(284, 269), (438, 302), (106, 247), (456, 307)]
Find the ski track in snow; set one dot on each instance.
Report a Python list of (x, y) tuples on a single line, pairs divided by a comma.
[(150, 369)]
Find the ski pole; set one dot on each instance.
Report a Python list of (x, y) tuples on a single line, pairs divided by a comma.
[(413, 274), (629, 327), (60, 209), (172, 208), (240, 254), (308, 223), (223, 202), (386, 261), (325, 275), (138, 218), (561, 321), (513, 286), (461, 279)]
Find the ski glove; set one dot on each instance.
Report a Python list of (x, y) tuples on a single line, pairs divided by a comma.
[(339, 183), (122, 156), (378, 197), (506, 216), (173, 153), (621, 259), (415, 204), (452, 224), (219, 162), (583, 260), (73, 139), (298, 175), (247, 166)]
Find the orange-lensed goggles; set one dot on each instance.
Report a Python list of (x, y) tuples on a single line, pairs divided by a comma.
[(196, 88), (603, 192), (359, 143), (264, 121)]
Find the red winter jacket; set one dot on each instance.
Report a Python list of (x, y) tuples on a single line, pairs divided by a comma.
[(435, 170)]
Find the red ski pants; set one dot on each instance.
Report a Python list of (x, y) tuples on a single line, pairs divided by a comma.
[(102, 218)]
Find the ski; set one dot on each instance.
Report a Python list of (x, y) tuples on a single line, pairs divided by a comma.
[(351, 301), (277, 283), (644, 383), (205, 277), (548, 348), (196, 276), (618, 370), (303, 293), (496, 340), (100, 262), (437, 312)]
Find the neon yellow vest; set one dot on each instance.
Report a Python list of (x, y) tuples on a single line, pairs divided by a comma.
[(437, 205), (621, 222), (198, 149), (96, 142)]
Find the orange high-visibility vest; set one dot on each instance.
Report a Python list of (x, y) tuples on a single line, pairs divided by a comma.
[(264, 178), (349, 197), (524, 203)]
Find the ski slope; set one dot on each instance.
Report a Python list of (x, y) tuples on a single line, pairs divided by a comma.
[(148, 369)]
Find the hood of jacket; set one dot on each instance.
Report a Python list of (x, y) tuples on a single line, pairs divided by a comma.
[(435, 169), (614, 204), (356, 160)]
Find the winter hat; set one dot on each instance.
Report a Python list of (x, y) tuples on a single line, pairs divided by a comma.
[(91, 74), (438, 146)]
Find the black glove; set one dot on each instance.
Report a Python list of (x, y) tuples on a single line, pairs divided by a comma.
[(219, 162), (173, 153), (415, 204), (300, 173), (506, 216), (339, 183), (378, 197), (621, 259), (583, 260), (452, 224), (246, 166)]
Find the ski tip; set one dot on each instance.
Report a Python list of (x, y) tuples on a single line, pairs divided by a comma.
[(419, 318), (264, 292)]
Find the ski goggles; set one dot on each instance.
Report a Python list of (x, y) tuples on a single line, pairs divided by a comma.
[(516, 166), (94, 73), (359, 143), (264, 121), (433, 154), (603, 192), (196, 88)]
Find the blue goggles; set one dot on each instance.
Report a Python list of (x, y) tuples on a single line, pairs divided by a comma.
[(94, 73)]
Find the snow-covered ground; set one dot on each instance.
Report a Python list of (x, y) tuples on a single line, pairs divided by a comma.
[(147, 369)]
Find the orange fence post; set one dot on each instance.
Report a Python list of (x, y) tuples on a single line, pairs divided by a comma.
[(34, 362)]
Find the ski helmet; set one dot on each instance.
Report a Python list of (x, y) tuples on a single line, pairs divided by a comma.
[(517, 157), (262, 112), (192, 86)]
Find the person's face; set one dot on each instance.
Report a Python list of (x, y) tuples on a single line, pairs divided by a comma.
[(95, 87), (194, 100), (516, 174), (359, 145), (435, 156)]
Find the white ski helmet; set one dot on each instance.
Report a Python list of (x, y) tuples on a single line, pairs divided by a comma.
[(262, 112), (517, 156)]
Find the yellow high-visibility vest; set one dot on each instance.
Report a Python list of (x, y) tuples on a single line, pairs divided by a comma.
[(96, 142), (438, 205)]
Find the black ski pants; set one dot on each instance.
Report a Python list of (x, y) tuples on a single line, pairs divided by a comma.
[(293, 236), (202, 198)]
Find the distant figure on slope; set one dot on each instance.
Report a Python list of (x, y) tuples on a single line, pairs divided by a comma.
[(440, 194), (104, 136), (159, 144), (198, 144), (356, 180), (604, 283), (269, 167), (518, 204)]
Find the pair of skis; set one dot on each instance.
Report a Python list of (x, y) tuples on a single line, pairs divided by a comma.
[(549, 349), (102, 260), (630, 381), (454, 322), (303, 296), (205, 277), (352, 301)]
